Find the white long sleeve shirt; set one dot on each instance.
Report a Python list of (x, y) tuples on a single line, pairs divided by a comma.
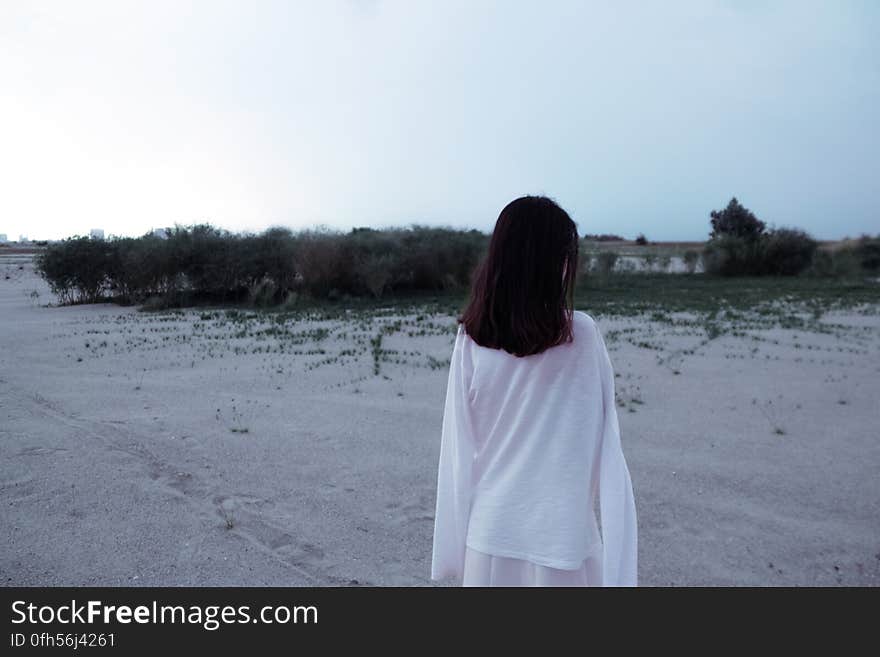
[(527, 445)]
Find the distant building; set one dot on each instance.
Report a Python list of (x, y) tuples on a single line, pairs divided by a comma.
[(22, 239), (3, 239), (96, 233)]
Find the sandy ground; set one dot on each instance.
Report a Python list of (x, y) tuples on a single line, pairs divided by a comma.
[(198, 449)]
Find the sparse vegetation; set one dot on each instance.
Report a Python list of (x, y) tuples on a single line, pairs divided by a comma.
[(633, 294)]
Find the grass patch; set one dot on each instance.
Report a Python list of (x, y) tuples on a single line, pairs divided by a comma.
[(659, 294), (630, 295)]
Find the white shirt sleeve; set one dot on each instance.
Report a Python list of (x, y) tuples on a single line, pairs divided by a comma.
[(455, 472), (616, 502)]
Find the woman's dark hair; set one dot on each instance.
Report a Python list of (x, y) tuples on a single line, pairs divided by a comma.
[(522, 294)]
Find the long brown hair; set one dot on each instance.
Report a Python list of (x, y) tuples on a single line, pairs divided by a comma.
[(522, 293)]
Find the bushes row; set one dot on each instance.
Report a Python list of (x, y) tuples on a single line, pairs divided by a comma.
[(788, 252), (201, 262), (784, 252)]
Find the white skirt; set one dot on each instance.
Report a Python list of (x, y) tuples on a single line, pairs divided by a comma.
[(481, 569)]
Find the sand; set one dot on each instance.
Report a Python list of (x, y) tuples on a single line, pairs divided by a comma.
[(185, 449)]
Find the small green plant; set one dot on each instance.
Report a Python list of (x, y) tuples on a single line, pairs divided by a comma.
[(228, 517), (237, 422), (376, 344), (774, 425), (713, 329)]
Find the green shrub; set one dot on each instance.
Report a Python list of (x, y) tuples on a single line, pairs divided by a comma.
[(76, 268), (374, 269), (732, 255), (436, 258), (147, 268), (54, 266), (270, 255), (785, 252), (192, 252), (319, 259), (374, 255), (780, 252)]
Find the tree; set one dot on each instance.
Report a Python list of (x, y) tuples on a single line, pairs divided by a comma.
[(736, 221)]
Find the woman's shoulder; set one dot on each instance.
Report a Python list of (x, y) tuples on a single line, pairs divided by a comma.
[(585, 319), (587, 328)]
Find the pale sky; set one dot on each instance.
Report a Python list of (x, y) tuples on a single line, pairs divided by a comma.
[(634, 116)]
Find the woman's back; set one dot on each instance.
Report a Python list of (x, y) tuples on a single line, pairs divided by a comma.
[(537, 425), (527, 445)]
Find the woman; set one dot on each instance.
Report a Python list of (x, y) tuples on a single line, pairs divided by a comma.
[(530, 437)]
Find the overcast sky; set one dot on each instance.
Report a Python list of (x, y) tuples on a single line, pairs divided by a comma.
[(634, 116)]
